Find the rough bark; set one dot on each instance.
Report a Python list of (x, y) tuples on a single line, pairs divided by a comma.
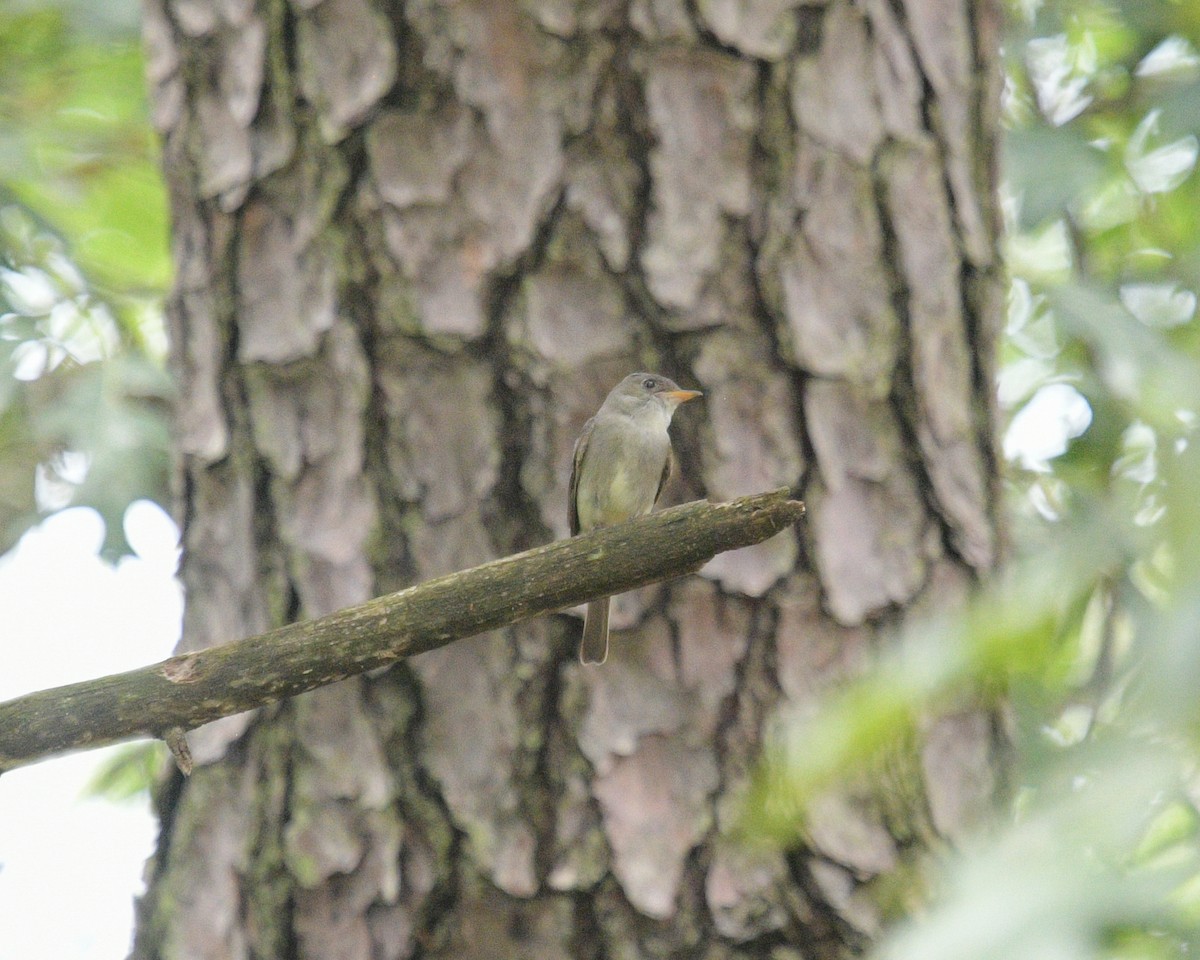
[(416, 243)]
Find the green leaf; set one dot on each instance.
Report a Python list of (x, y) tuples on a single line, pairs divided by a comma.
[(128, 771), (1052, 169)]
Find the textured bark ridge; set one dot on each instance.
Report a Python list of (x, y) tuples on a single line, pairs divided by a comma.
[(416, 243)]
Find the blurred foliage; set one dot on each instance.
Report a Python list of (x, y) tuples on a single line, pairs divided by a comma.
[(1088, 645), (83, 265), (126, 772)]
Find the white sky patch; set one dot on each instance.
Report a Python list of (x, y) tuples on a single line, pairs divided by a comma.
[(1060, 72), (1139, 459), (35, 358), (1159, 169), (1041, 429), (29, 291), (54, 482), (1172, 55), (69, 867), (1159, 304)]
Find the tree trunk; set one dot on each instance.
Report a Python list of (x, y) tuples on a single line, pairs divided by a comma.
[(415, 245)]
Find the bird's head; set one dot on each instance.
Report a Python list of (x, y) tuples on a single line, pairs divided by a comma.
[(645, 391)]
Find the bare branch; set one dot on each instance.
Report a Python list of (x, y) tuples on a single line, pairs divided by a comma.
[(186, 691)]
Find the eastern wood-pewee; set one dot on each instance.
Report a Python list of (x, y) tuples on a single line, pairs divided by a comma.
[(622, 459)]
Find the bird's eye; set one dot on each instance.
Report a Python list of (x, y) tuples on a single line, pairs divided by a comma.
[(649, 383)]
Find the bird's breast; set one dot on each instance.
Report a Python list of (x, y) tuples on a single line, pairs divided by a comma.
[(621, 475)]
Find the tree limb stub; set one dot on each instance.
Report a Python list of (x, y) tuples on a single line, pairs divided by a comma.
[(195, 688)]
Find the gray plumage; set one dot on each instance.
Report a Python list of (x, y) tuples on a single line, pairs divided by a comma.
[(622, 460)]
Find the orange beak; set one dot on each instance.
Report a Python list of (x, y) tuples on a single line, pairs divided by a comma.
[(681, 396)]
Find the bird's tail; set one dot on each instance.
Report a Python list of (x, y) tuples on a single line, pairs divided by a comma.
[(593, 645)]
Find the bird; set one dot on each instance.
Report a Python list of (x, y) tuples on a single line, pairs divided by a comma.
[(621, 462)]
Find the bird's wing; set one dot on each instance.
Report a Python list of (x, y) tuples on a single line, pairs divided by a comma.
[(666, 474), (576, 468)]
